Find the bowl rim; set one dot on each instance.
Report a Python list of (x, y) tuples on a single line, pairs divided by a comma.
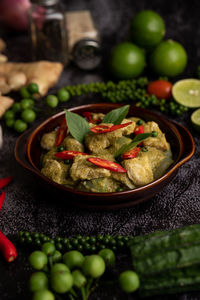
[(179, 161)]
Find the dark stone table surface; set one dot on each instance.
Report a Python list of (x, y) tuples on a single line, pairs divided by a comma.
[(28, 208)]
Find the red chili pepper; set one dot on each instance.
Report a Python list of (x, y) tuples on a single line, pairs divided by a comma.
[(7, 248), (88, 115), (106, 128), (5, 181), (139, 129), (2, 198), (132, 153), (61, 133), (106, 164), (68, 154)]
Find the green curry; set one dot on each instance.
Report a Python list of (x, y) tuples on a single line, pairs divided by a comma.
[(152, 161)]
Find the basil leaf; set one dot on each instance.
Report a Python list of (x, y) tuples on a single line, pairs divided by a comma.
[(138, 139), (116, 116), (77, 125)]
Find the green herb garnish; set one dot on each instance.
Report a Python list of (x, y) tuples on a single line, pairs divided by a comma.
[(77, 125), (116, 116), (138, 139)]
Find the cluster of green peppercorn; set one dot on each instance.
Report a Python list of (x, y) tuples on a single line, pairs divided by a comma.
[(23, 113), (72, 274), (125, 90), (86, 244)]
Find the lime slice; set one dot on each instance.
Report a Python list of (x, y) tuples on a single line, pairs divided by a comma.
[(187, 92), (195, 119)]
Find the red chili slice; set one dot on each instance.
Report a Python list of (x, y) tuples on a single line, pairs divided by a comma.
[(61, 133), (5, 181), (131, 154), (106, 164), (2, 198), (7, 249), (88, 115), (107, 128), (139, 129), (68, 154)]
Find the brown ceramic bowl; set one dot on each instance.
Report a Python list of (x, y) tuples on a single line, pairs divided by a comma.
[(28, 152)]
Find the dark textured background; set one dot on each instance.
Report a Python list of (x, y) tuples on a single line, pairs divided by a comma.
[(28, 208)]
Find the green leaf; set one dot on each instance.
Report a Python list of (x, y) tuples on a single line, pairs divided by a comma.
[(77, 125), (116, 116), (138, 139)]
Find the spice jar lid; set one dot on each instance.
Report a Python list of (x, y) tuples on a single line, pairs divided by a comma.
[(45, 2), (87, 54)]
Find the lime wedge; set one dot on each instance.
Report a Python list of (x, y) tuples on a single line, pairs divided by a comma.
[(195, 119), (187, 92)]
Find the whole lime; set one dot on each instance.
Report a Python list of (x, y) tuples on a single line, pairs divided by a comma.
[(127, 61), (169, 58), (147, 28)]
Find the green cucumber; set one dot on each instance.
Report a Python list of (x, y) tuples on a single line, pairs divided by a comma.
[(186, 279), (167, 260), (162, 241)]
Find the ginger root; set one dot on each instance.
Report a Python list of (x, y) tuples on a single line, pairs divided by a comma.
[(5, 103), (3, 58), (2, 45), (44, 73), (16, 80)]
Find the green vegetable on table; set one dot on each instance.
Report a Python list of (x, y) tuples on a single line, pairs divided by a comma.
[(26, 103), (24, 92), (109, 257), (38, 260), (22, 113), (38, 281), (52, 101), (63, 95), (127, 90), (85, 244), (43, 295), (129, 281), (19, 126), (28, 115), (33, 88), (167, 261), (163, 261), (75, 277), (73, 259)]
